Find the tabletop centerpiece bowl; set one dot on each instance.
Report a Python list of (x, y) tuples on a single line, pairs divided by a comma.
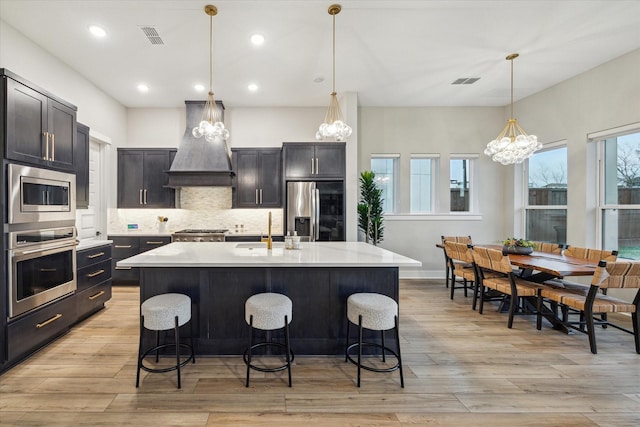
[(512, 245)]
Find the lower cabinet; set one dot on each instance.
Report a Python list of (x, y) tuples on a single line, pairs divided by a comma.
[(34, 330), (94, 280), (127, 246)]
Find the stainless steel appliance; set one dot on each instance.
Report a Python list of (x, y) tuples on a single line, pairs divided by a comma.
[(42, 267), (199, 235), (40, 195), (315, 210)]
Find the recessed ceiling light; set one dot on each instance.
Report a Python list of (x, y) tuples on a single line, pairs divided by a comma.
[(143, 88), (97, 31), (199, 87), (318, 79), (252, 87), (257, 39)]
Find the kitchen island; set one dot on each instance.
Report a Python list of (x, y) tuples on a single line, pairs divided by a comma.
[(219, 277)]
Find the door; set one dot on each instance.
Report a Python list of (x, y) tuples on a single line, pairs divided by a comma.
[(300, 209), (62, 126), (270, 177), (331, 210), (130, 182), (330, 160), (155, 165), (298, 160), (246, 162)]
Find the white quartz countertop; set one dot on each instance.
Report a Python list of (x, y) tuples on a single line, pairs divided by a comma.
[(91, 243), (234, 254)]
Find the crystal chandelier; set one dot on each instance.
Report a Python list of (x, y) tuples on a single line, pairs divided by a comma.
[(512, 145), (334, 126), (211, 125)]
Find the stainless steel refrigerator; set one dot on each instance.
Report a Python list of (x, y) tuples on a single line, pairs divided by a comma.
[(316, 210)]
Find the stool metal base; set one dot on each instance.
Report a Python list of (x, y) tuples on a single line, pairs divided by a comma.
[(360, 344), (288, 353)]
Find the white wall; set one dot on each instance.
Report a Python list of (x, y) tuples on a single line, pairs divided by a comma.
[(96, 109)]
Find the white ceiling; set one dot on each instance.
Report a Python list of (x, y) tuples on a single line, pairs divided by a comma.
[(391, 52)]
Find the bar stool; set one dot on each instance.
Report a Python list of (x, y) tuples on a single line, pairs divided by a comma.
[(268, 311), (378, 313), (160, 313)]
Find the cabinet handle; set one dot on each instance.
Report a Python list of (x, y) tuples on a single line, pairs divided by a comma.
[(140, 196), (317, 167), (46, 322), (122, 246), (312, 172), (154, 243), (99, 254), (256, 196), (261, 196), (48, 270), (46, 145), (99, 294), (145, 196), (123, 268), (97, 273), (53, 146)]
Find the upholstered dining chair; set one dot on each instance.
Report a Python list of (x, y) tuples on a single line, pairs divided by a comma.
[(507, 283), (608, 275), (447, 261)]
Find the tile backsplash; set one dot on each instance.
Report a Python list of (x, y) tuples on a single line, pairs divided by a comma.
[(200, 207)]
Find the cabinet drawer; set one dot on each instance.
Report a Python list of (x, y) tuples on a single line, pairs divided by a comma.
[(148, 243), (92, 299), (93, 256), (123, 274), (124, 247), (38, 328), (93, 274)]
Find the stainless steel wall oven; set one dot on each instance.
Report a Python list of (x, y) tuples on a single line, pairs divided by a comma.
[(41, 267)]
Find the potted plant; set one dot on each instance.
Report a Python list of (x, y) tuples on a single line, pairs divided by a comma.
[(370, 208), (512, 245)]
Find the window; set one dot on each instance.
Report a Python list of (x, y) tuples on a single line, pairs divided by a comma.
[(620, 194), (385, 166), (423, 173), (460, 184), (546, 204)]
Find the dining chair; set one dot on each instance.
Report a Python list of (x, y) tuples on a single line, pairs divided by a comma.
[(447, 261), (608, 275), (507, 283), (461, 264), (591, 254), (550, 248)]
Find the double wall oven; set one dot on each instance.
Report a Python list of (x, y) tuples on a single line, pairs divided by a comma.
[(41, 237)]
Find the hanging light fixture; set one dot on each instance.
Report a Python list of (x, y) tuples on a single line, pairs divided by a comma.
[(211, 126), (512, 145), (334, 126)]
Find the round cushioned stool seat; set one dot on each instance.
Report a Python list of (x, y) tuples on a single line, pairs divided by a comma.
[(378, 311), (160, 311), (268, 310)]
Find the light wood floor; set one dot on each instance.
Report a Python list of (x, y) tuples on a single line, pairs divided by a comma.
[(461, 368)]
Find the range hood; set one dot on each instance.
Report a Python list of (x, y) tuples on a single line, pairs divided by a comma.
[(199, 163)]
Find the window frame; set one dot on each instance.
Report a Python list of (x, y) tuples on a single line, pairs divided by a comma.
[(473, 202), (395, 200), (435, 167)]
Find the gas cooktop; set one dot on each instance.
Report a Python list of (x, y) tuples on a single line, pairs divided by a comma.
[(203, 231)]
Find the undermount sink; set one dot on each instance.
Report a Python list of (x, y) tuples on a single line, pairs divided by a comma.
[(258, 249)]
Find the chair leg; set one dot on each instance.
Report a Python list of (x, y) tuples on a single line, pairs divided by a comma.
[(588, 314), (539, 312), (465, 287), (177, 338), (399, 356), (513, 302), (359, 346), (139, 352), (346, 344), (157, 345), (383, 356), (193, 349), (481, 299), (288, 348), (453, 283), (635, 319), (475, 295), (446, 275), (250, 344)]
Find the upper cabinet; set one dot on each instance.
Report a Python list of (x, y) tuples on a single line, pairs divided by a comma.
[(142, 178), (81, 162), (258, 181), (40, 129), (314, 161)]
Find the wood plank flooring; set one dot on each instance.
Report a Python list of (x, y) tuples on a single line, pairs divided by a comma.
[(461, 368)]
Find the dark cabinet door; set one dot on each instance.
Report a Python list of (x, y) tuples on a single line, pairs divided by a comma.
[(270, 178), (247, 186), (299, 161), (26, 121), (330, 160), (155, 194), (130, 178), (62, 130), (81, 163)]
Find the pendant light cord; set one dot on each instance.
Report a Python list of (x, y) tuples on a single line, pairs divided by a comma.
[(210, 53), (334, 55), (512, 87)]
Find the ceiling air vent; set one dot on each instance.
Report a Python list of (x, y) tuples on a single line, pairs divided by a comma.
[(465, 81), (152, 34)]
